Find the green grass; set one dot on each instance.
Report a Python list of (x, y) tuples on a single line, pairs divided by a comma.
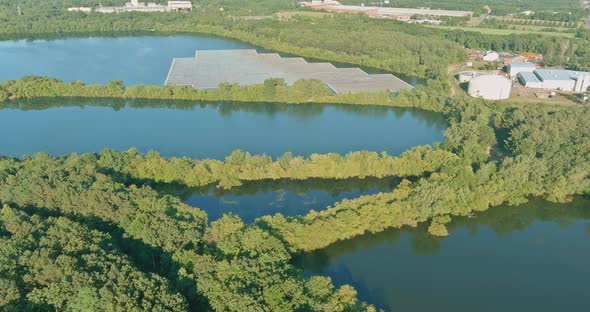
[(495, 31)]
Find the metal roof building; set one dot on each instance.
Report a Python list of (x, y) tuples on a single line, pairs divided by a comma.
[(209, 68), (556, 79), (377, 11), (516, 67), (529, 80)]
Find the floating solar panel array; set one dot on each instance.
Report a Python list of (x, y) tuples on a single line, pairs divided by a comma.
[(209, 68)]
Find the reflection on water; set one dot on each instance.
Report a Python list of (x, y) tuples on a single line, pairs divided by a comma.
[(211, 130), (134, 58), (290, 198), (303, 111), (532, 257)]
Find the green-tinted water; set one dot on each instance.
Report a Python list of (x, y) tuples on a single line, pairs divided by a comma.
[(289, 198), (529, 258)]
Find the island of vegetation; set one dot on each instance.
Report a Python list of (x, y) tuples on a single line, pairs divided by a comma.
[(89, 232)]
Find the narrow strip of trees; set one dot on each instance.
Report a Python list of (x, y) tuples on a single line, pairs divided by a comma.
[(272, 90)]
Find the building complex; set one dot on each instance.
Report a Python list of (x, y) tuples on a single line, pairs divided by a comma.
[(555, 79), (515, 68), (209, 68), (402, 14), (136, 6)]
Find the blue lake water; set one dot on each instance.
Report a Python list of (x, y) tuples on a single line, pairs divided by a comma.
[(195, 130), (529, 258), (141, 59), (289, 198), (133, 59)]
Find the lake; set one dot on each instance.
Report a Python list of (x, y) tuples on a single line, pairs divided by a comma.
[(139, 59), (210, 130), (532, 257), (132, 59), (529, 258), (289, 198)]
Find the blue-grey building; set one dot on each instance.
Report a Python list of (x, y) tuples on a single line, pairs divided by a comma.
[(556, 79), (515, 68)]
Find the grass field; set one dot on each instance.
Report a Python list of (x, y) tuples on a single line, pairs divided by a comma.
[(493, 31), (287, 15)]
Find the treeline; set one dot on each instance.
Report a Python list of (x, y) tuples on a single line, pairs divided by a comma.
[(241, 166), (549, 157), (272, 90), (573, 53), (528, 22), (388, 45), (74, 238)]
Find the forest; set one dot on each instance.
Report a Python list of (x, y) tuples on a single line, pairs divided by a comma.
[(184, 261), (272, 90), (102, 231), (73, 238)]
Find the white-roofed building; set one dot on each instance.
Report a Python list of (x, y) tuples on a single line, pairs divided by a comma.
[(490, 87), (556, 79), (491, 56), (180, 5), (517, 67)]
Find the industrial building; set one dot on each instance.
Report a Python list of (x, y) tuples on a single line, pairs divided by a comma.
[(136, 6), (466, 76), (491, 56), (556, 79), (80, 9), (490, 87), (530, 80), (402, 14), (209, 68), (518, 67)]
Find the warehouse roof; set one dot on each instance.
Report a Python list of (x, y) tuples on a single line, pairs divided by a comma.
[(396, 11), (529, 77), (522, 65), (553, 74), (575, 74), (246, 67)]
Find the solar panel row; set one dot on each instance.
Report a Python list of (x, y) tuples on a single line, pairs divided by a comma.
[(246, 67)]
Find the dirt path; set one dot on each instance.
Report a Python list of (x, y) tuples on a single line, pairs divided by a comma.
[(451, 70)]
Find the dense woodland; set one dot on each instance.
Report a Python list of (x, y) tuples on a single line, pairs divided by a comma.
[(136, 250), (91, 232), (272, 90), (171, 246)]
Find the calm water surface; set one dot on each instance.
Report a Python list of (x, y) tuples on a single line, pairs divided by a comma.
[(61, 127), (529, 258), (289, 198), (133, 59), (141, 59)]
